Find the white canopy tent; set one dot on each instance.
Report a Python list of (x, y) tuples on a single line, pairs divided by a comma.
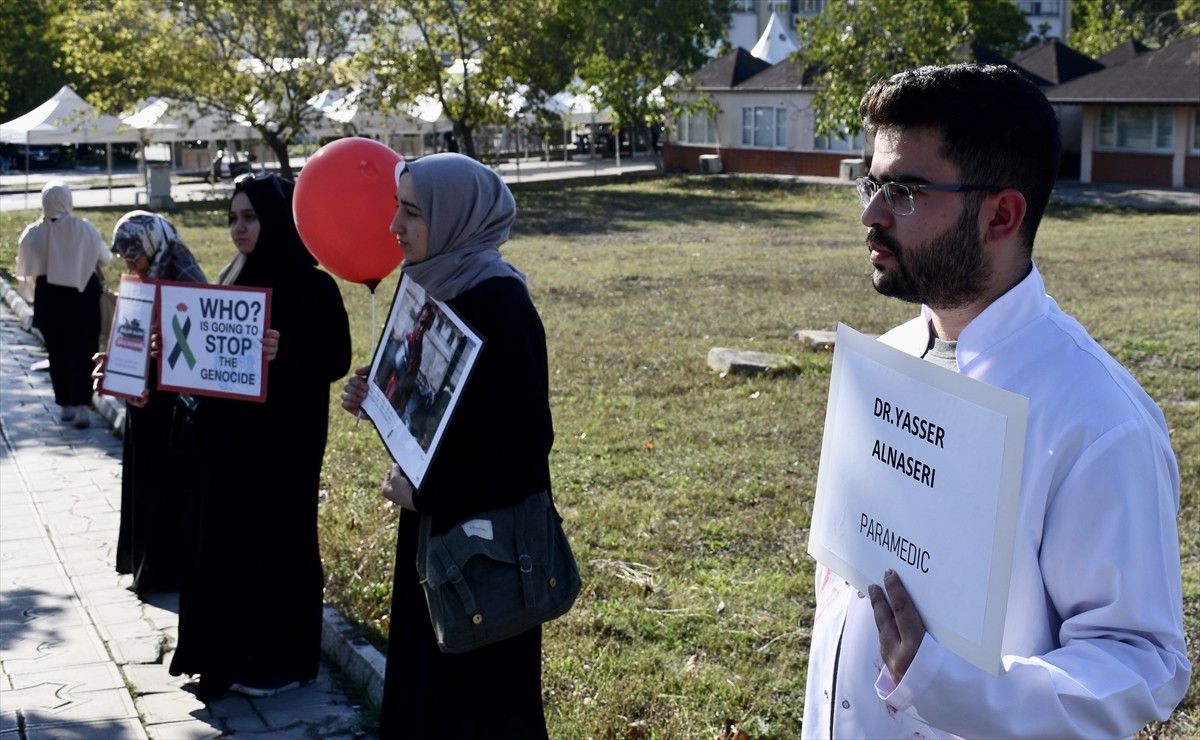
[(345, 111), (163, 119), (67, 118), (343, 114)]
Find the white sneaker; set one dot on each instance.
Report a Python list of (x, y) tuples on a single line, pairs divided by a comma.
[(83, 418), (68, 413)]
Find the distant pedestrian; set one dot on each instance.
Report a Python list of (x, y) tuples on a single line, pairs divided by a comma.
[(64, 254)]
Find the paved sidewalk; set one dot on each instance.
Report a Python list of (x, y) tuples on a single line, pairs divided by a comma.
[(19, 192), (81, 656)]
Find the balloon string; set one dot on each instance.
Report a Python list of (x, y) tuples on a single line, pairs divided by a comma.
[(359, 416), (373, 344)]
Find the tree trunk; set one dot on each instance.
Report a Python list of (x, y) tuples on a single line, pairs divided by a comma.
[(280, 147), (467, 135)]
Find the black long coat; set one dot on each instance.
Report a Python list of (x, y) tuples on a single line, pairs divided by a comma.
[(250, 609), (495, 451)]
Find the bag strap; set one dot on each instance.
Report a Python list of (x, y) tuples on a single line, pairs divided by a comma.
[(524, 560), (453, 572)]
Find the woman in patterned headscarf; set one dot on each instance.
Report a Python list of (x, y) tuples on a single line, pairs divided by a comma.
[(63, 253), (453, 215), (250, 609), (152, 248), (156, 480)]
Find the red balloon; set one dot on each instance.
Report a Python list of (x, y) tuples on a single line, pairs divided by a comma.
[(343, 205)]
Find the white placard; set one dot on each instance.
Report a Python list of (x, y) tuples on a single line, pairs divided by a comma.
[(417, 375), (921, 472), (212, 339), (129, 339)]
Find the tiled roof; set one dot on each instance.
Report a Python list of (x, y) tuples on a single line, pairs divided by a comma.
[(729, 70), (1124, 52), (1055, 62), (786, 75), (1167, 76), (981, 54)]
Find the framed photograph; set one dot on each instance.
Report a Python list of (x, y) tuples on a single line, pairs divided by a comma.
[(212, 339), (420, 367), (129, 339)]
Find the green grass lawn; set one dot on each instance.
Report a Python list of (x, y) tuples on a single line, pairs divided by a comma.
[(687, 493)]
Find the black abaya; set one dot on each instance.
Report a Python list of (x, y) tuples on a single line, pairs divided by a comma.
[(495, 451), (156, 484), (251, 605), (70, 325)]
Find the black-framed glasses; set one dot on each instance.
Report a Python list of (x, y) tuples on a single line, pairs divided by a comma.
[(899, 195)]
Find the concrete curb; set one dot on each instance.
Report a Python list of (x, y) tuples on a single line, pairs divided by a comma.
[(343, 646)]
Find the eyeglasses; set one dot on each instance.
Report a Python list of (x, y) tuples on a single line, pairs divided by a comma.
[(899, 196)]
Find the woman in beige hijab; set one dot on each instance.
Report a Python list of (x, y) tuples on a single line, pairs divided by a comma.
[(63, 253)]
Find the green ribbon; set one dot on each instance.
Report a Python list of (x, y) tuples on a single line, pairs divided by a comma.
[(181, 345)]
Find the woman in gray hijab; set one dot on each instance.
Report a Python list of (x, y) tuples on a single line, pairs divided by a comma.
[(453, 215)]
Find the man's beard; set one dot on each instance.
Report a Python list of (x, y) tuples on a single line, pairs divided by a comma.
[(948, 271)]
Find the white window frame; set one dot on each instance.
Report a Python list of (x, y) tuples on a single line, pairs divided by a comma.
[(843, 142), (1123, 128), (764, 127), (697, 128)]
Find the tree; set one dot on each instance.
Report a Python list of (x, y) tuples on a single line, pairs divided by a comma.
[(248, 61), (1098, 26), (28, 53), (852, 45), (474, 58), (629, 50), (999, 25)]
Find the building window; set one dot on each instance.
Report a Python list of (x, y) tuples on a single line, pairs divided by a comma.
[(1195, 131), (1142, 129), (843, 142), (764, 126), (697, 128), (1040, 7)]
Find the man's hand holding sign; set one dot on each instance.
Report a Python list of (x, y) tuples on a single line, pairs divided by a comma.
[(920, 481)]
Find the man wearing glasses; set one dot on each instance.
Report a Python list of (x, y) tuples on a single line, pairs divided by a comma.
[(965, 159)]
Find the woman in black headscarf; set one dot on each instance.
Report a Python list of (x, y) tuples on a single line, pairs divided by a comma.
[(453, 215), (250, 609)]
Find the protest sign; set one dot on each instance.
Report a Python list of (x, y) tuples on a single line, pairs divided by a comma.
[(920, 472), (417, 375), (128, 352), (212, 339)]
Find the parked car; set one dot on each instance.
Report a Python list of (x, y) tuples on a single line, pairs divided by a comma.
[(41, 157)]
